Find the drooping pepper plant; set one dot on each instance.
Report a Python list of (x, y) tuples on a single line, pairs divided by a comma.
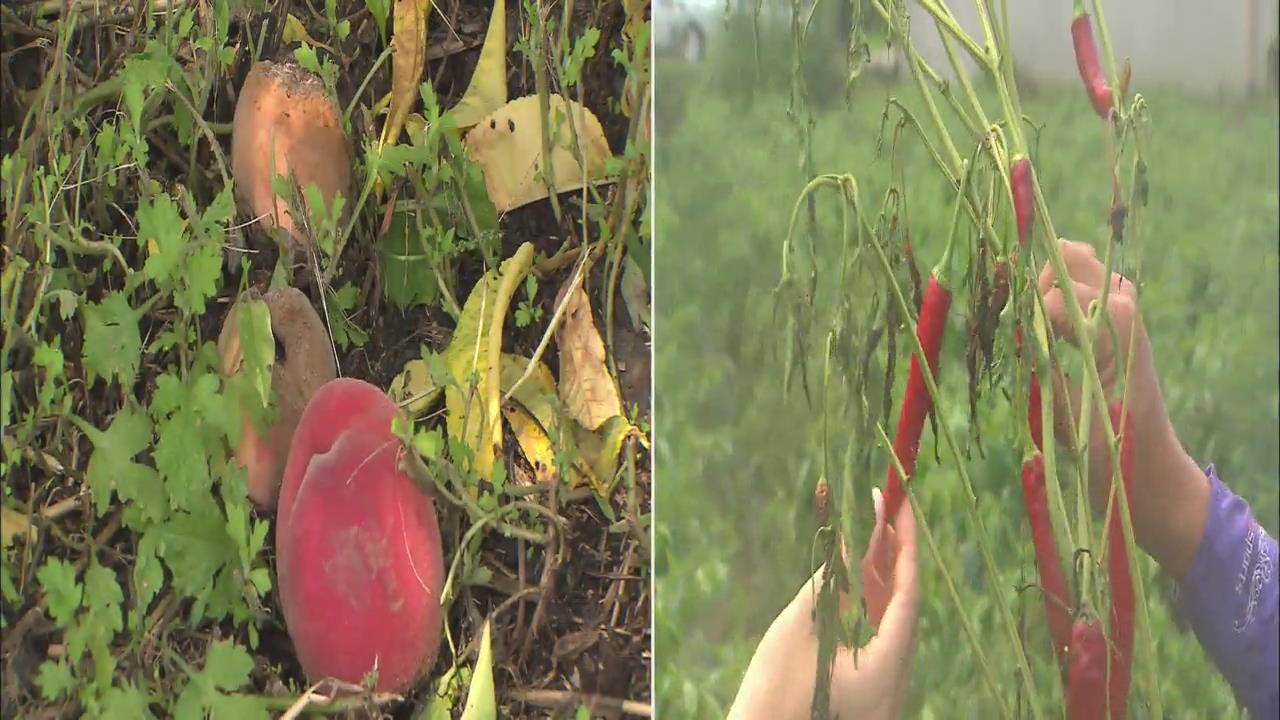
[(1001, 234)]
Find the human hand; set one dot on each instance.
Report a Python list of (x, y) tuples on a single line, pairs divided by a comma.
[(1170, 493), (779, 682)]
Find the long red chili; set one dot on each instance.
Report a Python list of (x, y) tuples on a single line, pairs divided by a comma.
[(916, 401), (1053, 583), (1095, 82), (1121, 584), (1024, 208), (1086, 676), (1034, 417)]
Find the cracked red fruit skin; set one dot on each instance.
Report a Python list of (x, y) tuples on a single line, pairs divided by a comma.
[(358, 545), (1095, 82), (916, 401)]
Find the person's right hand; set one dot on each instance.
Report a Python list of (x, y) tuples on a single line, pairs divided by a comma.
[(870, 682), (1170, 492)]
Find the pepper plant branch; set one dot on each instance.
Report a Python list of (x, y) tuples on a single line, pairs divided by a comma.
[(993, 574)]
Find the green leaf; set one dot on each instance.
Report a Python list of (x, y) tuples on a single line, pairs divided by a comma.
[(67, 302), (583, 49), (111, 342), (306, 57), (226, 667), (162, 231), (57, 578), (54, 679), (103, 597), (345, 332), (194, 545), (379, 9), (221, 210), (188, 417), (112, 467), (49, 358), (409, 279), (428, 443), (182, 462), (148, 578), (125, 702), (170, 394), (200, 278), (238, 707), (443, 696)]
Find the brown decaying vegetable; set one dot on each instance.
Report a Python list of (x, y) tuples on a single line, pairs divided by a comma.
[(358, 545), (284, 117), (304, 362)]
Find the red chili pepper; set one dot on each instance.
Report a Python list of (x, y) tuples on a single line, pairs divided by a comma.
[(1034, 419), (1121, 584), (916, 401), (1095, 82), (1053, 583), (1086, 699), (1024, 208)]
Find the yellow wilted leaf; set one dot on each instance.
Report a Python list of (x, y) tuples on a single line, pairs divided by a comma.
[(14, 525), (295, 32), (408, 55), (488, 89), (635, 11), (532, 437), (473, 399), (599, 450), (533, 416), (508, 146), (588, 391), (414, 123), (537, 393), (414, 389)]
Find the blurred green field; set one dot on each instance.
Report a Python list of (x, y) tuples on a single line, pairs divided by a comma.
[(736, 458)]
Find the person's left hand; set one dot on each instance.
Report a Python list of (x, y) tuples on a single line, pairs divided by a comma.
[(779, 681)]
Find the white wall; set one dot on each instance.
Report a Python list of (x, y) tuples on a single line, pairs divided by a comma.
[(1200, 46)]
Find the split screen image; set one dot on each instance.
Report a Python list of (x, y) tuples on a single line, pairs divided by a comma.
[(644, 358)]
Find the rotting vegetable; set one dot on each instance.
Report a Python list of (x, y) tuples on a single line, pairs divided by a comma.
[(358, 545), (303, 363), (286, 124), (1095, 82), (1053, 583)]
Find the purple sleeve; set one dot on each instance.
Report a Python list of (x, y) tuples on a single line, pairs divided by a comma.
[(1230, 596)]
